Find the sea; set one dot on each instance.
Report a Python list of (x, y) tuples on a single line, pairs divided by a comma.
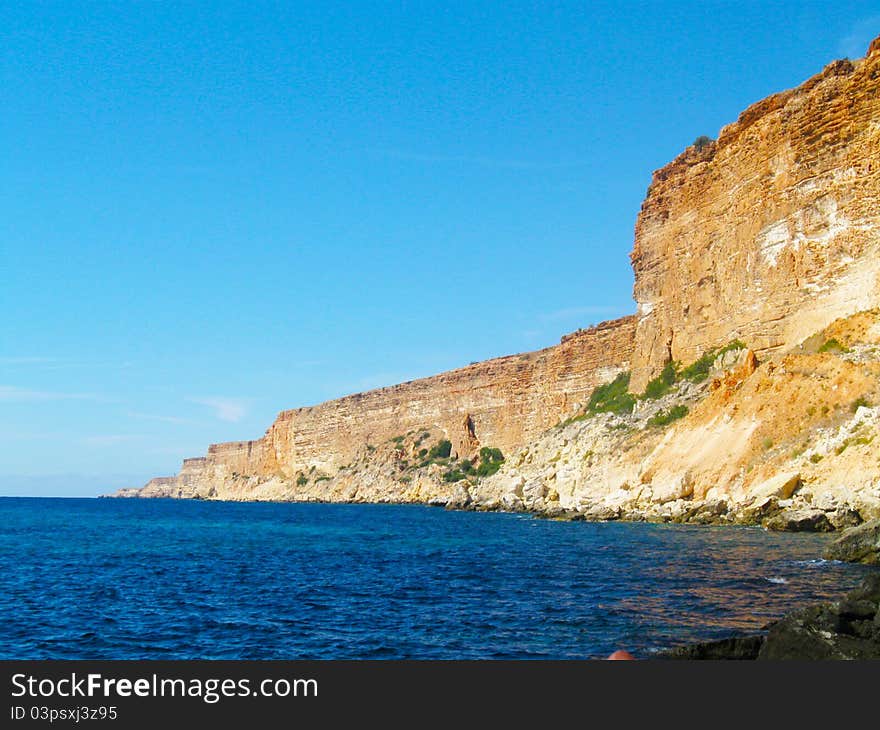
[(169, 579)]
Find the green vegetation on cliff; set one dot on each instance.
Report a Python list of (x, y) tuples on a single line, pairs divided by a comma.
[(701, 142), (832, 345), (613, 397), (663, 418), (491, 460), (663, 383), (441, 450), (696, 372)]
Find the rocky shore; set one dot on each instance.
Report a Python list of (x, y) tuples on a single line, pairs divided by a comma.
[(844, 629), (857, 545), (786, 444)]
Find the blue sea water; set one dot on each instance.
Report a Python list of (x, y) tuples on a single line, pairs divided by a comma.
[(164, 579)]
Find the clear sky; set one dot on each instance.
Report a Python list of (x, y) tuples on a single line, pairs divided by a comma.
[(210, 212)]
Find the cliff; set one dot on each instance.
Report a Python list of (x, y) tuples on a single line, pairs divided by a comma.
[(789, 443), (769, 233), (501, 403), (756, 264)]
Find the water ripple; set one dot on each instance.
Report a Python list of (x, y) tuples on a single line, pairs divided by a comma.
[(159, 579)]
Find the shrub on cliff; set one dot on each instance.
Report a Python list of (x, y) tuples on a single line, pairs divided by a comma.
[(491, 460), (613, 397), (441, 450), (833, 345), (702, 142), (698, 370), (660, 385), (663, 418)]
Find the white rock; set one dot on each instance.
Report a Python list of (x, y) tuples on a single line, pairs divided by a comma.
[(781, 486)]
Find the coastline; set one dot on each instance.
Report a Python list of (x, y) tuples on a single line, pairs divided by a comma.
[(724, 440)]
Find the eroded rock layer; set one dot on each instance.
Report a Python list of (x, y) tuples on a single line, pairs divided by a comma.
[(769, 233), (501, 403)]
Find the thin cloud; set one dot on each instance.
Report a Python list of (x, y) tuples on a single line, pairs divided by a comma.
[(14, 394), (27, 360), (225, 409), (37, 362)]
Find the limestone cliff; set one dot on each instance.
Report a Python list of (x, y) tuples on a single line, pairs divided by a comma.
[(766, 241), (769, 233), (501, 403), (790, 443)]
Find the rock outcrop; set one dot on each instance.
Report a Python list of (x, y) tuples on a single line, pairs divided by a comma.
[(768, 233), (501, 403), (857, 544), (756, 265), (790, 445)]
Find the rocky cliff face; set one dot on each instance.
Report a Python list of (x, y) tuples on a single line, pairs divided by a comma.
[(501, 403), (769, 233), (789, 443), (770, 237)]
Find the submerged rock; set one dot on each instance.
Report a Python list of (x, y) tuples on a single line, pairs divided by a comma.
[(857, 544)]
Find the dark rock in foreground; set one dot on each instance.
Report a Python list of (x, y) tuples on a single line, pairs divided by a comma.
[(740, 647), (846, 629), (857, 545)]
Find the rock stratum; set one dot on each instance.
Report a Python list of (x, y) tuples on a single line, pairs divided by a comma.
[(744, 389)]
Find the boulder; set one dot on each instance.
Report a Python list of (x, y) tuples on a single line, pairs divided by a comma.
[(799, 521), (734, 364), (869, 590), (672, 488), (461, 498), (601, 513), (857, 544), (781, 486), (533, 493), (709, 512)]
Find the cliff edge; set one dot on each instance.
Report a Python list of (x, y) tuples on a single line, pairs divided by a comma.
[(745, 388)]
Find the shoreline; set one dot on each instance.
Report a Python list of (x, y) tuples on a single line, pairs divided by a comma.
[(560, 515)]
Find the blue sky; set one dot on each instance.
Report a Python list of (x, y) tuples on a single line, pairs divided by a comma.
[(210, 212)]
